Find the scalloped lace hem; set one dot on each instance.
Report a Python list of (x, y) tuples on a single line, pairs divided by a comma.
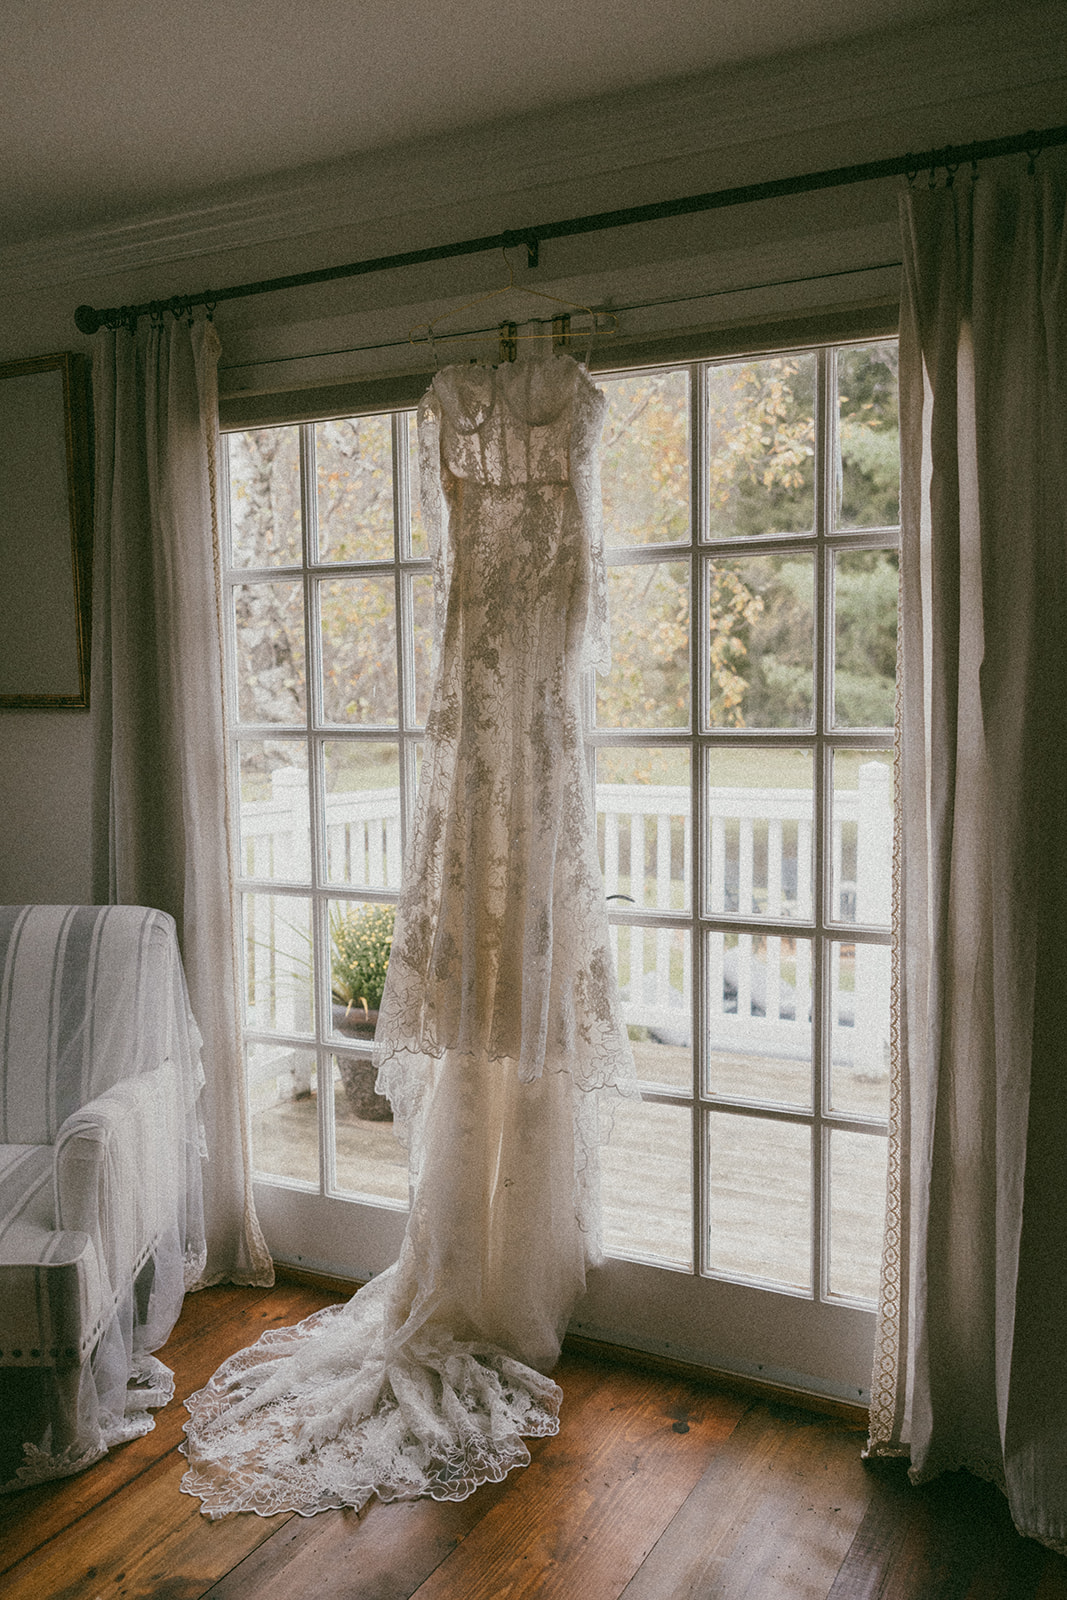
[(298, 1424)]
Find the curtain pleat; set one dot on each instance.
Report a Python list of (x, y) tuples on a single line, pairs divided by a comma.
[(160, 785), (971, 1358)]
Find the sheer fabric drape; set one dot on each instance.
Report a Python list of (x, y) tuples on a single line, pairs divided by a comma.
[(101, 1219), (160, 783), (971, 1359)]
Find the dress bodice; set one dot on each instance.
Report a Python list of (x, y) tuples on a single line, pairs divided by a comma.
[(511, 424)]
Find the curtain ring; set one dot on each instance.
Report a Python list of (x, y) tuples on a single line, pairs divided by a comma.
[(1031, 159), (209, 310), (911, 171), (950, 174), (933, 178)]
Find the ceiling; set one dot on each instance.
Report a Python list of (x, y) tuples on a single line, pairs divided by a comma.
[(113, 109)]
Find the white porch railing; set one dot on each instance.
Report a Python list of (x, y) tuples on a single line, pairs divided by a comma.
[(759, 853), (759, 864)]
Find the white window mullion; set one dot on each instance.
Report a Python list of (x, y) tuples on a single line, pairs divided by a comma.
[(825, 504), (320, 932), (697, 842), (405, 623)]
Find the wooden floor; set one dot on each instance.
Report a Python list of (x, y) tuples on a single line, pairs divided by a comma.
[(656, 1488)]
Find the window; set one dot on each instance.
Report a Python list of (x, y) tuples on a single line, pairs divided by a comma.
[(741, 749), (330, 599), (751, 509)]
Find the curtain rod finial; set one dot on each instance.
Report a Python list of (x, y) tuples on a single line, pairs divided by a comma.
[(87, 319)]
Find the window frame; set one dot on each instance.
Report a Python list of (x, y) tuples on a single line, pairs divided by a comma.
[(823, 740)]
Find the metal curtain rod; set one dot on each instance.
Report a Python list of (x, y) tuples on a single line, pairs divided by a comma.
[(88, 319)]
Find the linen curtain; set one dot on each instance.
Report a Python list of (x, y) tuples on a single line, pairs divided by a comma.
[(971, 1357), (161, 813)]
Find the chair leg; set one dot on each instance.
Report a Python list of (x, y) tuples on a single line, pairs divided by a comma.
[(38, 1406)]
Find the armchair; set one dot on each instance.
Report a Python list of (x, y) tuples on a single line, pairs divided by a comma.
[(101, 1217)]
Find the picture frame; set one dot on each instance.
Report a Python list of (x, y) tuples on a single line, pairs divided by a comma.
[(45, 533)]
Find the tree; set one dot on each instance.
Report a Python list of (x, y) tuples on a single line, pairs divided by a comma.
[(354, 519), (265, 533), (762, 446), (760, 475), (760, 480)]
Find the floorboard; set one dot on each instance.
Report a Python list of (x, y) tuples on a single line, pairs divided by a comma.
[(657, 1487), (213, 1324), (772, 1516), (584, 1514), (384, 1553), (952, 1539)]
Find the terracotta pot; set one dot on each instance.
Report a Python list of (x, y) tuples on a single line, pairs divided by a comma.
[(358, 1075), (353, 1020)]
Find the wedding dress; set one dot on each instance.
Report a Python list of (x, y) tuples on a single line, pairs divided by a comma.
[(499, 1032)]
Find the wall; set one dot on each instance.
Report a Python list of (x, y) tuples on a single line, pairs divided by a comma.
[(881, 96)]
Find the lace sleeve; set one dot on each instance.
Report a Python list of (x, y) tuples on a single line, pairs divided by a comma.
[(590, 407), (434, 506)]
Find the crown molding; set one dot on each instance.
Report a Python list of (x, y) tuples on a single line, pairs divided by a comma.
[(621, 149)]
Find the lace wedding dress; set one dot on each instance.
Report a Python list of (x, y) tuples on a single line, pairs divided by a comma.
[(499, 1028)]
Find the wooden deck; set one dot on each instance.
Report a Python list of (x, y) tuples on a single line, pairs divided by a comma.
[(657, 1487), (759, 1195)]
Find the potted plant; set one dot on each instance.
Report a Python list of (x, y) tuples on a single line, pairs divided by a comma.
[(360, 942)]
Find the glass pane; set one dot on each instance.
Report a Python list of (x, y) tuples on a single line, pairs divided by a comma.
[(857, 1212), (359, 651), (648, 685), (759, 1199), (285, 1119), (265, 497), (354, 485), (859, 1029), (644, 458), (759, 837), (647, 1184), (866, 585), (420, 541), (361, 937), (370, 1160), (761, 465), (269, 637), (759, 1018), (761, 632), (275, 809), (362, 823), (421, 592), (643, 801), (277, 947), (863, 837), (655, 974), (868, 430)]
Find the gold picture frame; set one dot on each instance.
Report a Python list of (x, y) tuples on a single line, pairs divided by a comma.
[(45, 533)]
